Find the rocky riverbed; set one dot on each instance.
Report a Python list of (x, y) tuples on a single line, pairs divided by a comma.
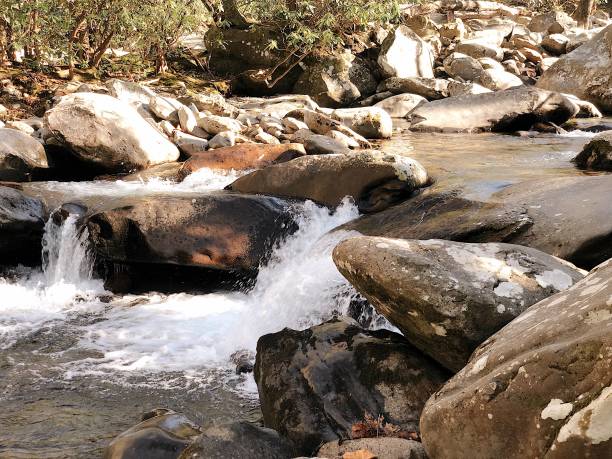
[(422, 271)]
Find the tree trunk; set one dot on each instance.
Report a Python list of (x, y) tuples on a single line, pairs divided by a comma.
[(583, 12), (161, 64), (100, 50)]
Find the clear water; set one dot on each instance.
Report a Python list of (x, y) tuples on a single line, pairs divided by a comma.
[(78, 365)]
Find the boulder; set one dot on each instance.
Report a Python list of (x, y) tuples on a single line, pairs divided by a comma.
[(162, 434), (219, 230), (107, 133), (214, 124), (222, 140), (20, 156), (597, 154), (402, 104), (379, 447), (212, 103), (316, 144), (511, 110), (189, 144), (448, 297), (316, 383), (374, 180), (555, 43), (480, 48), (404, 54), (369, 122), (242, 157), (552, 22), (497, 79), (22, 221), (540, 387), (187, 119), (535, 214), (430, 88), (585, 72), (465, 67), (129, 92), (457, 88), (166, 108), (336, 81), (238, 440)]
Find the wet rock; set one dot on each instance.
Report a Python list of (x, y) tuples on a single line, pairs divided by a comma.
[(535, 214), (404, 54), (374, 180), (511, 110), (224, 231), (20, 156), (369, 122), (22, 220), (163, 434), (315, 384), (336, 81), (402, 104), (242, 157), (540, 387), (239, 440), (585, 72), (597, 154), (430, 88), (166, 171), (448, 297), (107, 133), (381, 448)]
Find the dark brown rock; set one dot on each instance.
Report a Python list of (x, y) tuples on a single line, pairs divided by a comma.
[(225, 231), (315, 384), (597, 154)]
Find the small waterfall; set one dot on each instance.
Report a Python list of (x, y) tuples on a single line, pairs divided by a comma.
[(66, 256)]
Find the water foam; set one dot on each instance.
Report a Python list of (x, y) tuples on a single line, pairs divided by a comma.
[(32, 299), (299, 287)]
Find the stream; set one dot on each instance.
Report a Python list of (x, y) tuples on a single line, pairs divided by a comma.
[(79, 365)]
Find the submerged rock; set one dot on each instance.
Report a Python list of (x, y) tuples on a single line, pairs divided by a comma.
[(597, 154), (239, 440), (20, 156), (242, 157), (448, 297), (163, 435), (540, 387), (315, 384), (568, 217), (107, 133), (506, 111), (22, 221), (221, 230), (374, 180), (585, 72)]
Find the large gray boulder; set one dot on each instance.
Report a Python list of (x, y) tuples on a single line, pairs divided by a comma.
[(22, 221), (107, 133), (448, 297), (400, 105), (315, 384), (20, 155), (585, 72), (568, 217), (540, 387), (224, 231), (374, 180), (336, 81), (507, 111), (597, 154), (404, 54)]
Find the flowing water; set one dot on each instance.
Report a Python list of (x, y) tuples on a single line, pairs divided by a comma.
[(78, 364)]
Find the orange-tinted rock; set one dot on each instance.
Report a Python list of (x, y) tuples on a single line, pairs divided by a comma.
[(242, 156)]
